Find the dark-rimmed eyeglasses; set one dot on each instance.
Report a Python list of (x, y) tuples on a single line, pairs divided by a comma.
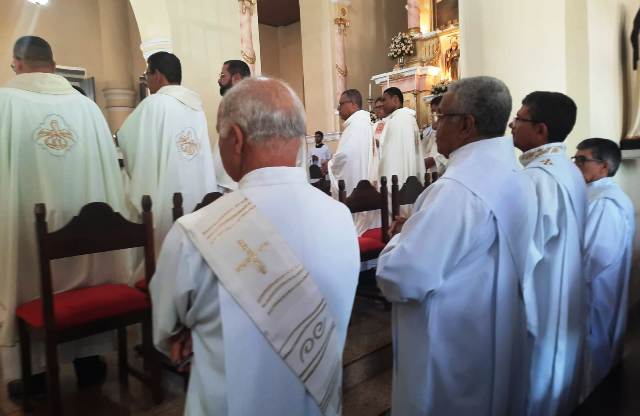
[(524, 120), (439, 116), (581, 160)]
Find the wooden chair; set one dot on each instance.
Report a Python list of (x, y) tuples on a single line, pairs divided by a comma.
[(366, 198), (315, 172), (178, 211), (79, 313), (427, 180), (323, 185), (406, 195)]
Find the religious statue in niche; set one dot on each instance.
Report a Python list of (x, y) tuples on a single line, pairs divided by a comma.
[(451, 60)]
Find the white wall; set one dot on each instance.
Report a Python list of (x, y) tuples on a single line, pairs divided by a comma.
[(579, 47), (281, 54)]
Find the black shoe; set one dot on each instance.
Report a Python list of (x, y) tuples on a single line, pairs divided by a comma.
[(15, 388), (90, 371)]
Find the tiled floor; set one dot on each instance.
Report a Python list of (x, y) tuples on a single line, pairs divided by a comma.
[(367, 380), (369, 332), (619, 393)]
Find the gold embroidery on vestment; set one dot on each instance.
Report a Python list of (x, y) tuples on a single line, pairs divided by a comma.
[(252, 257), (188, 143), (230, 211), (53, 135)]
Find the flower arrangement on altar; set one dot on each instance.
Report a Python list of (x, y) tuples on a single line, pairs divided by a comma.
[(401, 45), (440, 88)]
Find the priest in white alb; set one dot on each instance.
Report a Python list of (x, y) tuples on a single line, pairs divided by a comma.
[(400, 150), (378, 125), (165, 143), (356, 158), (608, 252), (244, 282), (56, 149), (453, 272), (433, 160), (555, 286)]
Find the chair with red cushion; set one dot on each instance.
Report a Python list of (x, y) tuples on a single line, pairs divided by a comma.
[(366, 198), (406, 195), (80, 313)]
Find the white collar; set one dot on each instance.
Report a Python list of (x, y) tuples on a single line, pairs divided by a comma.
[(184, 95), (601, 183), (546, 149), (495, 147), (273, 176), (42, 82), (360, 114)]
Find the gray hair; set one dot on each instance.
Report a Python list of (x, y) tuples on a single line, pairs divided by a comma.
[(487, 99), (605, 150), (263, 108)]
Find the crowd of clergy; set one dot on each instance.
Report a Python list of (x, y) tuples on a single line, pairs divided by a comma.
[(508, 278)]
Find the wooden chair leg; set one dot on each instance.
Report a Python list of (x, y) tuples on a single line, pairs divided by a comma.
[(123, 362), (152, 362), (53, 376), (25, 363)]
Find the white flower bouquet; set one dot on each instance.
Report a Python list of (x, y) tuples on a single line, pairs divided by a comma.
[(401, 45)]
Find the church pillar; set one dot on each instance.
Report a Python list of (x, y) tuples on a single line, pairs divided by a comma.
[(341, 24), (114, 31), (154, 26), (426, 16), (317, 30), (413, 16), (246, 36)]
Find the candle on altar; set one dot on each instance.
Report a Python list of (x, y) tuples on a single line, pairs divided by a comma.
[(370, 89)]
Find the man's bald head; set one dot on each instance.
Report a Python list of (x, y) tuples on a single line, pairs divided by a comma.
[(261, 123), (264, 109), (32, 54)]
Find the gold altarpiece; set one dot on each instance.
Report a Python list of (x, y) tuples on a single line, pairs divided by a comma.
[(436, 58)]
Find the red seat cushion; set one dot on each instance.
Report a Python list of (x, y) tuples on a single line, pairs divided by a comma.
[(142, 285), (369, 245), (375, 233), (82, 306)]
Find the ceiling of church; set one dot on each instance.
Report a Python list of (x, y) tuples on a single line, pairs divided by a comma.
[(278, 12)]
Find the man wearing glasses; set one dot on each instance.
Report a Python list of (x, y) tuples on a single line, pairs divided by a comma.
[(56, 149), (453, 272), (554, 286), (608, 250), (165, 143)]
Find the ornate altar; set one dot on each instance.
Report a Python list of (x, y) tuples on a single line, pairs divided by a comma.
[(436, 57)]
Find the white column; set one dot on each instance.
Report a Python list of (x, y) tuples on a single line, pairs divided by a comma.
[(154, 25), (341, 24), (114, 31), (413, 16), (246, 35)]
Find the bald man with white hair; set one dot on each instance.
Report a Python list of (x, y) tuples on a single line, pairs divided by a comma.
[(243, 283)]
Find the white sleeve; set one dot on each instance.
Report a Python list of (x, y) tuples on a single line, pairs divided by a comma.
[(605, 235), (175, 286), (447, 220)]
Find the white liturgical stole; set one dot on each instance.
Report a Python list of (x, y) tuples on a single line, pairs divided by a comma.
[(261, 272)]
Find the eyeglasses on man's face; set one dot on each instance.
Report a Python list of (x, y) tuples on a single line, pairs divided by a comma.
[(581, 160), (437, 117), (517, 119)]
